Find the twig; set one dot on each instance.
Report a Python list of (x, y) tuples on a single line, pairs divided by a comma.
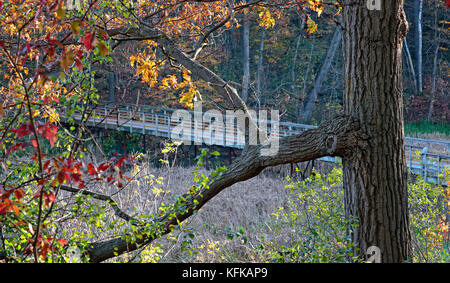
[(118, 212)]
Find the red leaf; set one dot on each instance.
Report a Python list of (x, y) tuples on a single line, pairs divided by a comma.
[(56, 42), (19, 193), (15, 209), (23, 130), (35, 143), (50, 51), (62, 242), (110, 178), (44, 250), (78, 64), (120, 162), (51, 196), (46, 164), (60, 177), (79, 54), (88, 40), (91, 169), (2, 209), (103, 167), (49, 132)]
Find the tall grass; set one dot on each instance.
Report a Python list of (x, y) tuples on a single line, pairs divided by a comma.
[(427, 129)]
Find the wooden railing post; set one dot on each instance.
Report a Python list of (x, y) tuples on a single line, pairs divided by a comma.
[(156, 124), (143, 123)]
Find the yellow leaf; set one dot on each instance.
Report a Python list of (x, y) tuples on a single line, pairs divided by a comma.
[(132, 60), (36, 113), (311, 26), (75, 27), (60, 13)]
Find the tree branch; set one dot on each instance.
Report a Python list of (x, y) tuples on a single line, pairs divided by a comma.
[(340, 137), (118, 212)]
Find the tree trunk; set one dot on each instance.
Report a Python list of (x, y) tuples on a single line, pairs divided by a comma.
[(375, 179), (302, 94), (246, 58), (111, 79), (411, 66), (311, 100), (260, 68), (418, 11), (437, 39), (369, 138)]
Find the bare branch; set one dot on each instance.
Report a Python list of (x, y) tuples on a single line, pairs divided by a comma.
[(118, 212)]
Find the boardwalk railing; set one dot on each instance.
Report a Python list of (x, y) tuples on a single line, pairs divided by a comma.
[(429, 158)]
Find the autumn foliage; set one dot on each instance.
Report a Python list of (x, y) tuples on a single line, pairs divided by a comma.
[(47, 50)]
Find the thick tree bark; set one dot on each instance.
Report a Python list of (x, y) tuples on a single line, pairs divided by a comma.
[(375, 179)]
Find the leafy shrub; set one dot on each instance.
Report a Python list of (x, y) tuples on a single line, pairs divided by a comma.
[(315, 217)]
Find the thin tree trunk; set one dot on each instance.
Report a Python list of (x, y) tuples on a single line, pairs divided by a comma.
[(305, 80), (411, 66), (293, 75), (294, 62), (437, 39), (260, 67), (418, 10), (375, 179), (246, 58), (312, 97)]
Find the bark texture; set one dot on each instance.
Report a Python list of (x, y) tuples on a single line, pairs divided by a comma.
[(375, 178)]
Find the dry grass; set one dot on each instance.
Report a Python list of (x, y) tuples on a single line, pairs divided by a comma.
[(246, 205)]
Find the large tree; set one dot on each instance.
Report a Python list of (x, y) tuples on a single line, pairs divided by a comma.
[(368, 135)]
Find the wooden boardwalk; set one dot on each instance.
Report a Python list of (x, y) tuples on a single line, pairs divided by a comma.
[(429, 158)]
